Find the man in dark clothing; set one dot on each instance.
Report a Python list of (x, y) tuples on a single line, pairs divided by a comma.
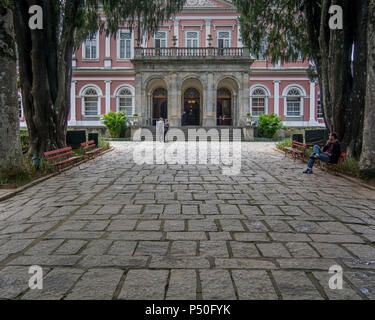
[(330, 153)]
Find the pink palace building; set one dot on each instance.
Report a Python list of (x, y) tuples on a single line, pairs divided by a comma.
[(195, 63)]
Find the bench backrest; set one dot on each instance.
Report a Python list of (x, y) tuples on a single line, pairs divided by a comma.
[(58, 154), (89, 145), (296, 144)]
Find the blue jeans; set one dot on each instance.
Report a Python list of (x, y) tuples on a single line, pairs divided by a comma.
[(321, 154)]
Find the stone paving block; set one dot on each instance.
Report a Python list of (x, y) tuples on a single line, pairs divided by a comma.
[(97, 247), (13, 281), (216, 285), (149, 225), (174, 225), (295, 285), (301, 250), (146, 248), (364, 281), (207, 209), (271, 210), (193, 235), (186, 248), (231, 225), (244, 236), (96, 284), (76, 235), (364, 252), (96, 225), (213, 249), (306, 227), (255, 226), (346, 293), (55, 284), (182, 285), (144, 285), (331, 250), (306, 263), (178, 262), (125, 248), (70, 247), (333, 238), (243, 249), (253, 285), (220, 236), (275, 250), (13, 246), (115, 261), (153, 208), (243, 263), (186, 209), (335, 228), (289, 237), (135, 235), (228, 209), (122, 225), (201, 225), (46, 260), (44, 247)]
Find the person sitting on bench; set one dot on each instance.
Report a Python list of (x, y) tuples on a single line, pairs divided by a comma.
[(330, 153)]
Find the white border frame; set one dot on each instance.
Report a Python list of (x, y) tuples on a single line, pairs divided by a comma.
[(118, 44), (199, 37), (132, 90), (268, 96), (230, 37), (82, 96), (97, 49), (302, 97)]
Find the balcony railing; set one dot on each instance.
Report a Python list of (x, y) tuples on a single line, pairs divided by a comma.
[(191, 53)]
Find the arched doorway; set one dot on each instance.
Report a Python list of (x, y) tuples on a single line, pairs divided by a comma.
[(191, 107), (224, 107), (160, 105)]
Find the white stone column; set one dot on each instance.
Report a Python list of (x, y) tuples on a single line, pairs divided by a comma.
[(107, 95), (276, 97), (312, 102), (73, 103), (108, 60), (208, 30), (176, 25)]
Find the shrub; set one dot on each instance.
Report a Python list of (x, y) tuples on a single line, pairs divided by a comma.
[(283, 144), (269, 125), (116, 123)]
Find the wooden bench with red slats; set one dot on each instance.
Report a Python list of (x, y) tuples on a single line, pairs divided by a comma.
[(334, 166), (297, 149), (60, 157), (89, 148)]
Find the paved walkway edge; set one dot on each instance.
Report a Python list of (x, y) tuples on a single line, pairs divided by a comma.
[(40, 180)]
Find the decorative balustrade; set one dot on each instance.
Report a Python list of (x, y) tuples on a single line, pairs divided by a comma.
[(191, 53)]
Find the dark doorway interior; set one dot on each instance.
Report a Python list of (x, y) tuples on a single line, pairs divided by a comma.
[(192, 107), (224, 107), (160, 105)]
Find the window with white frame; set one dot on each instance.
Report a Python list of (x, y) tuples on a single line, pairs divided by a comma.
[(161, 40), (91, 102), (20, 111), (125, 45), (320, 112), (223, 39), (259, 101), (91, 47), (125, 101), (293, 102), (192, 39)]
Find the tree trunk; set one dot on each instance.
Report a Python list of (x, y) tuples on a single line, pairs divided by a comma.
[(45, 59), (368, 147), (10, 147), (342, 92)]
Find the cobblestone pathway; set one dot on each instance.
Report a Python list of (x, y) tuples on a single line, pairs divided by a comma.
[(115, 230)]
